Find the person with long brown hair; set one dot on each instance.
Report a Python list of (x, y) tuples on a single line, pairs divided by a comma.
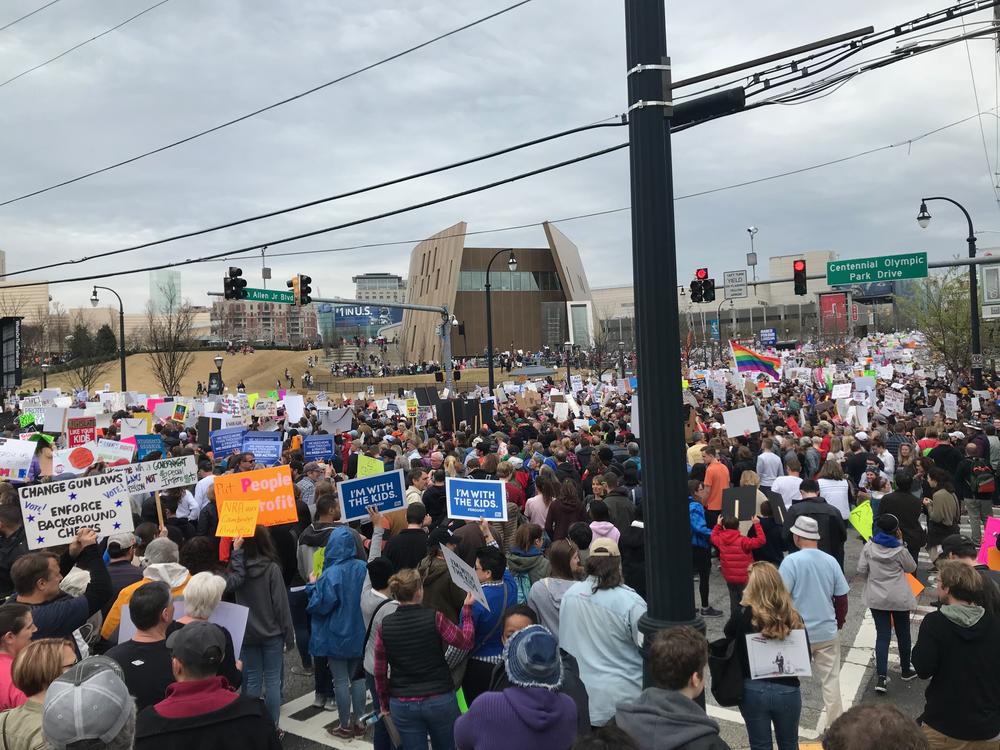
[(767, 609), (546, 595)]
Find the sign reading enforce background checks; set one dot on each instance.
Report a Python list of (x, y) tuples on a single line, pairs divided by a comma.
[(383, 491), (472, 499), (54, 512), (880, 268)]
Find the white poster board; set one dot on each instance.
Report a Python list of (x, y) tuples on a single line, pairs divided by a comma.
[(54, 512), (232, 617), (15, 458), (769, 657), (741, 421), (464, 576), (841, 390)]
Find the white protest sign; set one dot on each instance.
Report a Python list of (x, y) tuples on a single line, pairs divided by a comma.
[(464, 576), (74, 460), (634, 422), (951, 406), (560, 411), (841, 390), (15, 458), (114, 453), (770, 657), (232, 617), (156, 476), (54, 419), (133, 427), (865, 383), (740, 421), (894, 401), (336, 421), (718, 390), (295, 408), (975, 405), (54, 512)]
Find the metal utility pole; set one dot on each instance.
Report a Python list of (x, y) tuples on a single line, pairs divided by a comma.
[(654, 268)]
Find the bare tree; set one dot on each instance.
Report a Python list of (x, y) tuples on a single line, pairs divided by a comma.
[(87, 371), (170, 336)]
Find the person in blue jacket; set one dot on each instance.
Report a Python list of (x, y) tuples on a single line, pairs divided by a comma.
[(701, 547), (500, 590), (338, 626)]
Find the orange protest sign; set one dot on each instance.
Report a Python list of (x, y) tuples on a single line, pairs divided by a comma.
[(238, 518), (915, 586), (993, 558), (272, 488)]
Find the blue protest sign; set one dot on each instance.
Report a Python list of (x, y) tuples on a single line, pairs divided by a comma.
[(265, 446), (473, 499), (146, 444), (317, 447), (768, 336), (384, 491), (227, 442)]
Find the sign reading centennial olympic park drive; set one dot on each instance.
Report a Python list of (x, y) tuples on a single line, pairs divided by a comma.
[(880, 268)]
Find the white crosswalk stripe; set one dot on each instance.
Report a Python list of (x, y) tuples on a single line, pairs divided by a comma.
[(298, 717)]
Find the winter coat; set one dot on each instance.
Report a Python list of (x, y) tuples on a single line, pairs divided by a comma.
[(572, 686), (563, 514), (632, 545), (735, 551), (440, 592), (263, 592), (518, 717), (885, 561), (700, 533), (527, 566), (620, 508), (545, 598), (338, 627), (605, 530), (668, 720), (907, 509), (773, 550)]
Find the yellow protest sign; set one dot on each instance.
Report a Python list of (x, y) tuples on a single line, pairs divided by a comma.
[(412, 408), (369, 466), (252, 399), (861, 519), (271, 488), (238, 518)]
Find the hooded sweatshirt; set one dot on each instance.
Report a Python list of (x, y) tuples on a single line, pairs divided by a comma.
[(545, 597), (518, 717), (264, 593), (562, 514), (884, 560), (668, 720), (958, 649), (605, 530), (527, 567), (173, 574), (338, 627)]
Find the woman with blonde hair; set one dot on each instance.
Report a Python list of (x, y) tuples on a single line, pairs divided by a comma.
[(36, 667), (834, 487), (750, 478), (452, 466), (767, 610)]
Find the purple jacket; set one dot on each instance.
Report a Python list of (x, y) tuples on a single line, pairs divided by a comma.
[(518, 717)]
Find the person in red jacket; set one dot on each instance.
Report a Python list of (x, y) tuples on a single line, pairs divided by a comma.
[(736, 555)]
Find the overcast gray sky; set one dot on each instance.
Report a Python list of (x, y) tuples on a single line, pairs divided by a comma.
[(550, 65)]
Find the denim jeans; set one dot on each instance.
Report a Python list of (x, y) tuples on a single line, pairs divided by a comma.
[(347, 689), (884, 623), (263, 669), (381, 738), (297, 601), (766, 702), (435, 716)]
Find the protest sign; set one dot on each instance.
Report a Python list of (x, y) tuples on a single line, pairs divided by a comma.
[(15, 458), (412, 407), (74, 460), (226, 442), (369, 466), (272, 488), (53, 418), (146, 444), (841, 390), (634, 421), (54, 512), (472, 499), (156, 476), (317, 447), (861, 519), (771, 657), (739, 502), (179, 413), (265, 408), (232, 617), (295, 408), (464, 575), (951, 406), (989, 539), (113, 452), (895, 402), (384, 491), (265, 446), (777, 503), (238, 518), (25, 420), (741, 421)]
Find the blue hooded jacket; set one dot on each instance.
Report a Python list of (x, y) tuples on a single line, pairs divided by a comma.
[(338, 627), (700, 533)]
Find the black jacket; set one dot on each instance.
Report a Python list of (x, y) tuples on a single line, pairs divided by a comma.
[(907, 509), (620, 508), (436, 503), (572, 686), (773, 550), (962, 663), (632, 544), (242, 725), (832, 529), (11, 548)]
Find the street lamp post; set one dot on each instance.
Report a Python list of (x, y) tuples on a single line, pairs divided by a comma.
[(512, 265), (121, 327), (923, 219), (752, 255), (45, 375), (569, 350), (218, 367), (621, 358)]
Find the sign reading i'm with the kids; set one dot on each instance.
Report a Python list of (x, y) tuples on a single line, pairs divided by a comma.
[(472, 499), (382, 491)]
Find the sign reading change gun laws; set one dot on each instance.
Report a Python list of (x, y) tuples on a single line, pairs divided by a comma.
[(56, 511), (383, 491)]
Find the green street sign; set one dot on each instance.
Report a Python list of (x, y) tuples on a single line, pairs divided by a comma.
[(269, 295), (880, 268)]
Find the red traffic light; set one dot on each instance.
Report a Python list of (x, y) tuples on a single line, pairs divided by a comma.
[(799, 266), (701, 274)]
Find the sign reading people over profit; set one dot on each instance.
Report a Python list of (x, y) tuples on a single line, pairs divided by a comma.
[(472, 499), (383, 491), (54, 512), (272, 488)]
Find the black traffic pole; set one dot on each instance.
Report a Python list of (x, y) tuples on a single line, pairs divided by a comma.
[(923, 219), (512, 264), (670, 596)]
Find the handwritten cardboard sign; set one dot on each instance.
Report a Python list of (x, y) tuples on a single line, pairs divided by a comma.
[(238, 518), (271, 488), (464, 576), (54, 512)]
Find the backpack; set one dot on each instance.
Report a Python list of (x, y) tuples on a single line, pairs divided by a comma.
[(523, 583), (982, 481)]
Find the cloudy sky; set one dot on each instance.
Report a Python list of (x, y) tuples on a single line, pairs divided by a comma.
[(547, 66)]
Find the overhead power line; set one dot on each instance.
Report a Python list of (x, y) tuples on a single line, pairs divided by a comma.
[(28, 15), (274, 105), (345, 225), (83, 43), (319, 201)]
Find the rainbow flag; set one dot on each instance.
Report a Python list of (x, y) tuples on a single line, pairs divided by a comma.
[(747, 360)]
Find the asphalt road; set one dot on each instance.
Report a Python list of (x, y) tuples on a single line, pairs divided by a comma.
[(305, 727)]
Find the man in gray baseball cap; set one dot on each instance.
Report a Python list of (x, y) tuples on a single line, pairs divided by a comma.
[(200, 710), (89, 707)]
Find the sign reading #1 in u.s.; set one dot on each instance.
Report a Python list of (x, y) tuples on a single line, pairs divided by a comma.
[(382, 491), (472, 499)]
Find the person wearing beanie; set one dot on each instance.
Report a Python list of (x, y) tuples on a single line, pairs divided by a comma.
[(89, 706), (529, 713), (884, 561)]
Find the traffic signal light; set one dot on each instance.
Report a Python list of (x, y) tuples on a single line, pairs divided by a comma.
[(708, 290), (698, 286), (234, 285), (304, 289), (293, 284), (799, 275), (696, 291)]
